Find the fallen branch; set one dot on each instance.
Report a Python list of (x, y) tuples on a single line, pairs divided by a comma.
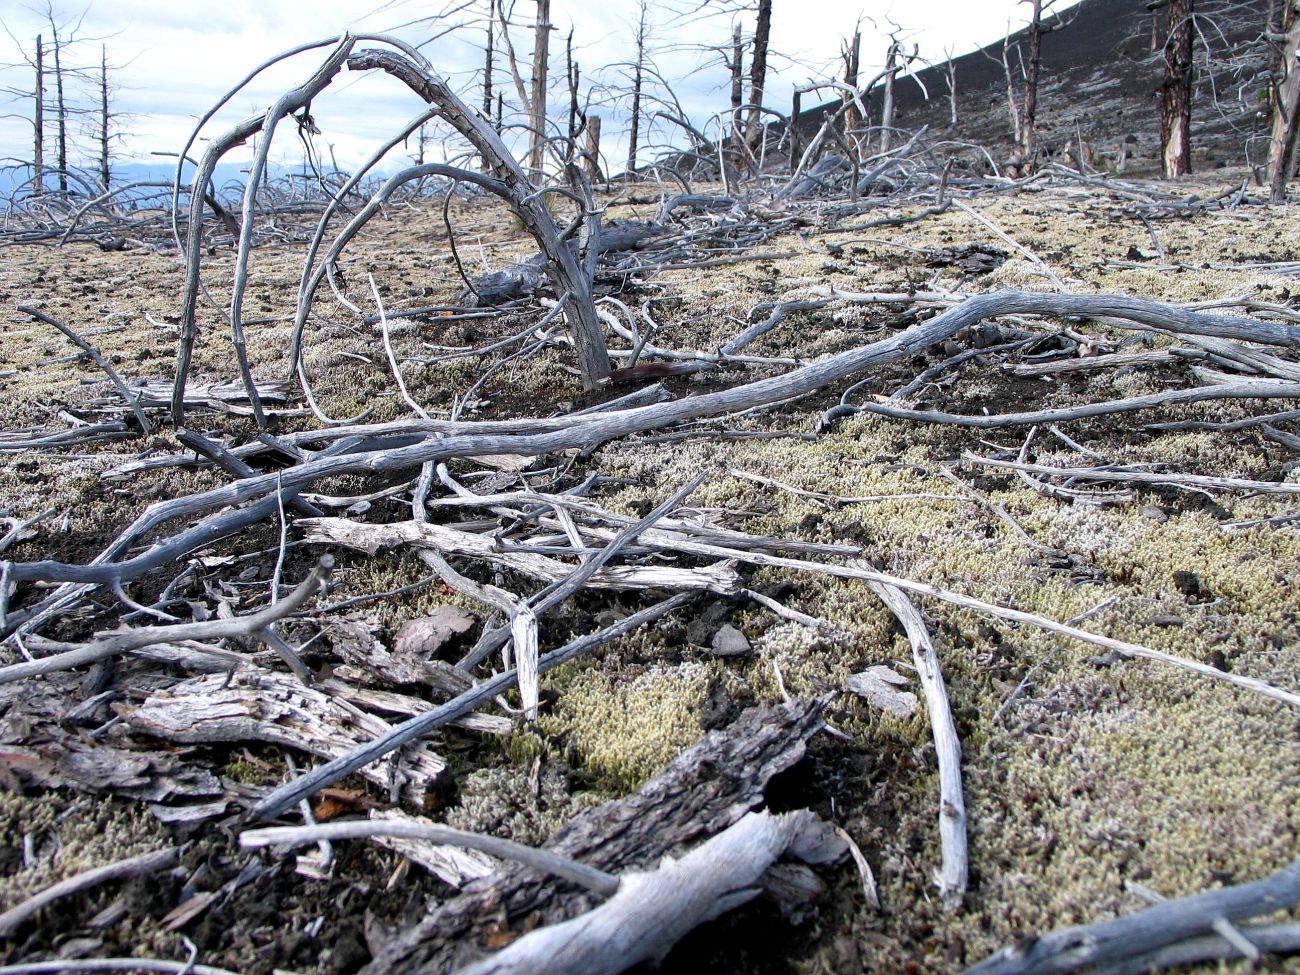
[(137, 866), (1117, 941)]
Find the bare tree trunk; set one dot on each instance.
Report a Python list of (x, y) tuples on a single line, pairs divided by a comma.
[(487, 73), (737, 84), (38, 149), (103, 117), (1176, 92), (758, 73), (951, 71), (887, 111), (61, 113), (593, 148), (1028, 144), (573, 74), (851, 55), (1285, 120), (796, 150), (1012, 107), (636, 91), (541, 54)]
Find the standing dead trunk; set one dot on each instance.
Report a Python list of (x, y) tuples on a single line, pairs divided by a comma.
[(1012, 108), (1176, 92), (487, 73), (950, 71), (851, 55), (737, 85), (1028, 144), (38, 148), (887, 111), (636, 91), (575, 114), (1285, 120), (541, 54), (103, 117), (795, 148), (60, 114), (592, 164), (758, 74)]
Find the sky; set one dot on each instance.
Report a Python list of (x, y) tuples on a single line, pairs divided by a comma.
[(177, 59)]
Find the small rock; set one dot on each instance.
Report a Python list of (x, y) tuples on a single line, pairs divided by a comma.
[(730, 642), (1188, 583), (1154, 513), (880, 686), (424, 636)]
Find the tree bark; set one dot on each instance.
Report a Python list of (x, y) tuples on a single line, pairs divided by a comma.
[(487, 73), (737, 85), (636, 91), (38, 149), (61, 114), (1028, 146), (1176, 92), (541, 54), (592, 167), (887, 111), (851, 55), (103, 118), (758, 73), (1286, 109)]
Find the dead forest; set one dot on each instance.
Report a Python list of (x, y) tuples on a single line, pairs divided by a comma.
[(858, 536)]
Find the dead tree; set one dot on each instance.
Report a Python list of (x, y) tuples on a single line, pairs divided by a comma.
[(1028, 146), (637, 69), (887, 109), (38, 96), (1176, 91), (950, 74), (487, 69), (736, 66), (1285, 115), (541, 54), (758, 74), (851, 55)]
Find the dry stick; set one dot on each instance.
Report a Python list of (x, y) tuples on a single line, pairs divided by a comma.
[(325, 775), (254, 624), (1246, 390), (653, 910), (1012, 242), (232, 465), (1159, 926), (560, 590), (869, 574), (100, 361), (137, 866), (237, 135), (1110, 473), (564, 433), (393, 364), (65, 965), (541, 859), (1281, 939), (952, 803)]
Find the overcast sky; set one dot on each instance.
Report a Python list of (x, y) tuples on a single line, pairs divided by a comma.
[(178, 58)]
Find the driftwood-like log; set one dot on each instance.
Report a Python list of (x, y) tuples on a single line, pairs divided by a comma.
[(276, 708), (652, 911), (1159, 926), (702, 792)]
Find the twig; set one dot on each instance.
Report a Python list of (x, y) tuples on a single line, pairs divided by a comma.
[(136, 866), (325, 775), (100, 361), (133, 639), (952, 804)]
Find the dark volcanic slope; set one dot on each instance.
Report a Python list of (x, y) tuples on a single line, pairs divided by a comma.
[(1101, 77)]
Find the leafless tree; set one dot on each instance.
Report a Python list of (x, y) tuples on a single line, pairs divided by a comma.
[(758, 73), (1284, 31), (1176, 91), (637, 77)]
